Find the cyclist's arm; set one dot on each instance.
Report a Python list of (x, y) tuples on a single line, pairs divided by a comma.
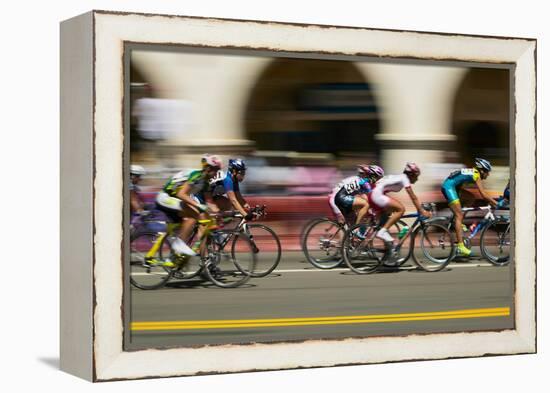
[(184, 194), (416, 202), (235, 202), (210, 201), (241, 200), (484, 194)]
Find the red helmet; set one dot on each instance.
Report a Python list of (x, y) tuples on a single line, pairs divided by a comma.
[(412, 169)]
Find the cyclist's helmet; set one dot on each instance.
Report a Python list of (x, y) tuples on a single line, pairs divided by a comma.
[(137, 170), (376, 172), (237, 164), (483, 164), (363, 170), (211, 161), (412, 169)]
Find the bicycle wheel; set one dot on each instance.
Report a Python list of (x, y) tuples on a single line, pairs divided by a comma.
[(495, 242), (267, 246), (148, 273), (228, 268), (322, 243), (435, 247), (363, 253)]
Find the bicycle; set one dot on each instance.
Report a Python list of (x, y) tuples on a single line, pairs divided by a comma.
[(322, 241), (365, 254), (494, 240), (263, 239), (153, 262)]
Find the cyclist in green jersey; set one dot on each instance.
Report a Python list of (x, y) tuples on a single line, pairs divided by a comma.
[(185, 196), (454, 183)]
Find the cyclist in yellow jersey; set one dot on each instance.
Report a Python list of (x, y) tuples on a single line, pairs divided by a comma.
[(452, 185)]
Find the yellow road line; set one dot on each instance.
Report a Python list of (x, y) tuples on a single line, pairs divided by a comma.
[(279, 322)]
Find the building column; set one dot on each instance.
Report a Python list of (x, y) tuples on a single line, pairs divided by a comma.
[(216, 90), (415, 104)]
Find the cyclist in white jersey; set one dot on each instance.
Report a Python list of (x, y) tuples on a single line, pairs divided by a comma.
[(381, 202), (136, 202)]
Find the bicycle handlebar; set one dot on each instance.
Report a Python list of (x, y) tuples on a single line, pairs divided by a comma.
[(258, 211)]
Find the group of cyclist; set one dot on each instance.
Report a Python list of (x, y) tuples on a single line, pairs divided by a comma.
[(370, 189), (189, 196)]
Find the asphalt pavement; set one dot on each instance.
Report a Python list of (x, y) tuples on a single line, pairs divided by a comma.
[(299, 302)]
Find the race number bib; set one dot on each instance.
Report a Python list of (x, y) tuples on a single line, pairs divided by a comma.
[(352, 186)]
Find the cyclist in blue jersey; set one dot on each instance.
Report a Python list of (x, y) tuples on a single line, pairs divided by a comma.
[(226, 190), (506, 193), (349, 195), (503, 201), (453, 185)]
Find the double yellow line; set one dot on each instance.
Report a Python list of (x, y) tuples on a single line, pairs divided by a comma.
[(337, 320)]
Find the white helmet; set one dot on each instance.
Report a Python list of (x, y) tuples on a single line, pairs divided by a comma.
[(481, 163), (211, 160), (137, 170)]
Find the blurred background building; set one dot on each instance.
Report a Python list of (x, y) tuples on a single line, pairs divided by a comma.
[(303, 124)]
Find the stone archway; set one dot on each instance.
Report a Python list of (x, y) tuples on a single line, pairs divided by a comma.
[(481, 116), (313, 106)]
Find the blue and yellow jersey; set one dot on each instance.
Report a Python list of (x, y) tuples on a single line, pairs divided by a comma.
[(457, 179), (462, 177), (194, 178)]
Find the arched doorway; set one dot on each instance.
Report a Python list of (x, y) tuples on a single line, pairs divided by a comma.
[(481, 116), (313, 106)]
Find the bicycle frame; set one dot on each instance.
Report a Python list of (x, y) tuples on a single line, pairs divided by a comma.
[(489, 217), (171, 228)]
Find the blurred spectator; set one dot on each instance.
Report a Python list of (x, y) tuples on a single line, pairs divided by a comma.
[(160, 119)]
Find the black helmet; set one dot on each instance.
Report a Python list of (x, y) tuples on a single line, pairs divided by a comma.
[(237, 164)]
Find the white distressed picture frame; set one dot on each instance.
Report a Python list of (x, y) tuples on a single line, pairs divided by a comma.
[(92, 155)]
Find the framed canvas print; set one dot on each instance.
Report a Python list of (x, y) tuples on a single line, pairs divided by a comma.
[(265, 196)]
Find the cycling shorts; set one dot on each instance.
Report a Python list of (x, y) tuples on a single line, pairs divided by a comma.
[(344, 202), (172, 206), (378, 200), (449, 191)]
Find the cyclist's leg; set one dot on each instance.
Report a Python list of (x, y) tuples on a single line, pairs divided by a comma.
[(338, 213), (451, 195), (456, 208), (189, 217), (396, 210), (361, 207), (173, 208)]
